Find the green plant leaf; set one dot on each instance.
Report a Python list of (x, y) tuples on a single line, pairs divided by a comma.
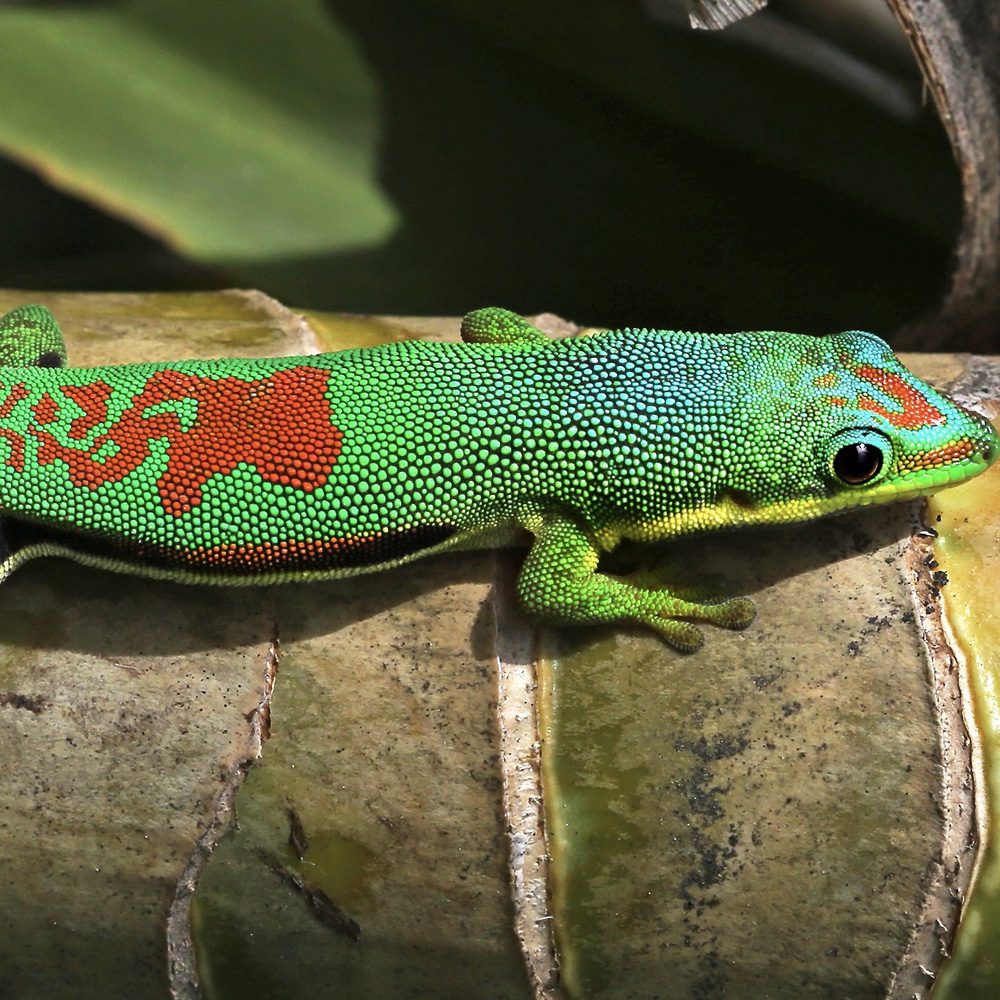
[(237, 129)]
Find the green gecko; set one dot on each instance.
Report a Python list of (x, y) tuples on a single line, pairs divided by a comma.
[(244, 471)]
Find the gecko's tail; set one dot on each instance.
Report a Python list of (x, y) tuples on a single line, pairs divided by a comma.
[(8, 560), (20, 542)]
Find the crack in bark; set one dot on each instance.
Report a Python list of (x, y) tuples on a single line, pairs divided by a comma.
[(181, 958), (520, 762), (951, 874)]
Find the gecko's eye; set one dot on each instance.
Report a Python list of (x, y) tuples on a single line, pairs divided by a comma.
[(856, 463), (858, 456)]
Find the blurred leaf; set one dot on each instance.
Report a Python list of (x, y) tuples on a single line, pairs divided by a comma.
[(183, 115), (581, 159)]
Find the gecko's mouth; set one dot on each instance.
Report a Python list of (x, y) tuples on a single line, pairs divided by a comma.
[(738, 508), (920, 482)]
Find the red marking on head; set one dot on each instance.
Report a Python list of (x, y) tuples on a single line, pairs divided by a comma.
[(939, 458), (916, 412), (825, 381), (281, 425), (835, 400)]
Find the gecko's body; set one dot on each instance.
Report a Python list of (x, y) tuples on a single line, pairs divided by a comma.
[(256, 471)]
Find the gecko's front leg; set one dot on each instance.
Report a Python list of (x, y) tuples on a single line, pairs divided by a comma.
[(559, 583)]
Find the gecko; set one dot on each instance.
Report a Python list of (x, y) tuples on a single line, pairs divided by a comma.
[(257, 471)]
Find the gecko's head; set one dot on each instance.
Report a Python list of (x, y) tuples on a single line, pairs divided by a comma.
[(861, 429)]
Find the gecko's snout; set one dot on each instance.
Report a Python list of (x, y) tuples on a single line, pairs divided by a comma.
[(988, 441)]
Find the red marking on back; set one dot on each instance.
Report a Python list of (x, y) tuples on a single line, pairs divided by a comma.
[(46, 409), (17, 393), (16, 457), (281, 425), (917, 411), (93, 399)]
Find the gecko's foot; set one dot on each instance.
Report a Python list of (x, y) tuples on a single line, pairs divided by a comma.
[(700, 601), (735, 613), (558, 583), (492, 325)]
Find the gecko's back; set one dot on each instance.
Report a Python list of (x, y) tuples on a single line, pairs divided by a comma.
[(329, 464)]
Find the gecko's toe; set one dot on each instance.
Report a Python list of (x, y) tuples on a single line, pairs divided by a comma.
[(737, 613), (681, 635)]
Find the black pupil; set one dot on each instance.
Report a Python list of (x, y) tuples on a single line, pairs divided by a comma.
[(857, 463)]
